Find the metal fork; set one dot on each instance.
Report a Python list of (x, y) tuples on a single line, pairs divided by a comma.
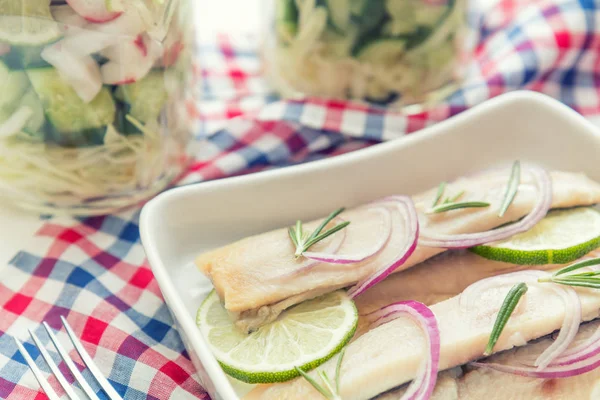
[(87, 360)]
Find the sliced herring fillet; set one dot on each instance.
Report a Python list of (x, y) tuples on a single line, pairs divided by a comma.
[(390, 355)]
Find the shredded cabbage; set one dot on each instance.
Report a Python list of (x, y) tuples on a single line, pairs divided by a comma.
[(320, 61)]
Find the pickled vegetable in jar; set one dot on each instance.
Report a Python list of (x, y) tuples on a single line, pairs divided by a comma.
[(91, 116), (402, 52)]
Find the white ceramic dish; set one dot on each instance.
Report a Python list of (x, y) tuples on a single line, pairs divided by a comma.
[(181, 223)]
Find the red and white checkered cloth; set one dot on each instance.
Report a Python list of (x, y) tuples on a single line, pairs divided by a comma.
[(93, 271)]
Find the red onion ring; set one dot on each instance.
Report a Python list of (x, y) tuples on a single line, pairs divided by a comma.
[(407, 209), (333, 258), (570, 324), (465, 240), (423, 385), (589, 348)]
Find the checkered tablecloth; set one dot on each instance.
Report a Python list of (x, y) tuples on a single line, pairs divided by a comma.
[(93, 270)]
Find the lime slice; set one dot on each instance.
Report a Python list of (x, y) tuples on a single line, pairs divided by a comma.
[(27, 22), (561, 237), (305, 336)]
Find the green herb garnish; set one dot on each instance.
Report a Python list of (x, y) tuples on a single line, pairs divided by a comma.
[(456, 197), (326, 389), (564, 276), (511, 188), (508, 306), (303, 241), (440, 193), (455, 206)]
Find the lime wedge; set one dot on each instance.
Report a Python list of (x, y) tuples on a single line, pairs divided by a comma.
[(561, 237), (27, 22), (305, 336)]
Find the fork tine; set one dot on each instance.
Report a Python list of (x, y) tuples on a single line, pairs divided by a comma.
[(37, 373), (106, 386), (61, 379), (74, 371)]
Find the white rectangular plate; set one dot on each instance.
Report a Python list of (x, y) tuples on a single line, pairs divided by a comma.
[(184, 222)]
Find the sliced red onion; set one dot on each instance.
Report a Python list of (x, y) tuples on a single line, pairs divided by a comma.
[(568, 330), (551, 372), (407, 209), (571, 321), (93, 10), (16, 122), (465, 240), (333, 258), (423, 385), (81, 72), (589, 348)]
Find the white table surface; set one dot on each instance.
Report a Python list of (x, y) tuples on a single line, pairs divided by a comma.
[(230, 16)]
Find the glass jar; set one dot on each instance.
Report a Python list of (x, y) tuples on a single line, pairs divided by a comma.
[(400, 52), (91, 114)]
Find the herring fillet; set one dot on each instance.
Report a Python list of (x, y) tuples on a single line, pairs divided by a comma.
[(485, 383), (389, 356), (248, 274)]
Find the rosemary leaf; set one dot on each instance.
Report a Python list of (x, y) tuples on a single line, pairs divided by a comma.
[(325, 222), (338, 369), (511, 188), (326, 234), (508, 306), (456, 206), (327, 382), (456, 197), (292, 234), (595, 284), (578, 265), (440, 193), (314, 384)]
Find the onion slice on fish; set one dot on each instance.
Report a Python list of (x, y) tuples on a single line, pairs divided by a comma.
[(460, 241), (422, 386), (333, 258), (405, 206), (571, 321)]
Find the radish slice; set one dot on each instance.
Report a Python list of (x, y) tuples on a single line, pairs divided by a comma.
[(4, 49), (93, 10), (82, 73), (16, 122), (422, 386), (130, 61), (349, 259)]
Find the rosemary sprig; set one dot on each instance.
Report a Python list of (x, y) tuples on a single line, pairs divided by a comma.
[(326, 389), (511, 188), (303, 241), (440, 193), (456, 197), (508, 306), (564, 276), (455, 206)]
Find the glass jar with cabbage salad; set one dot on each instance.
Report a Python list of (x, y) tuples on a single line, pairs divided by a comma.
[(91, 107), (407, 52)]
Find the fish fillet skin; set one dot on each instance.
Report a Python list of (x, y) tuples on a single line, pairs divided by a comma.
[(390, 355), (484, 383), (258, 271)]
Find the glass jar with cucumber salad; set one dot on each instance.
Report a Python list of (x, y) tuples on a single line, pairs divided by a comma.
[(400, 52), (92, 92)]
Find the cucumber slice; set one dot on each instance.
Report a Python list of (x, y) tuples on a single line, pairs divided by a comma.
[(14, 84), (339, 14), (286, 20), (145, 97), (367, 14), (561, 237), (37, 119), (73, 122), (22, 57), (383, 51), (27, 22)]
